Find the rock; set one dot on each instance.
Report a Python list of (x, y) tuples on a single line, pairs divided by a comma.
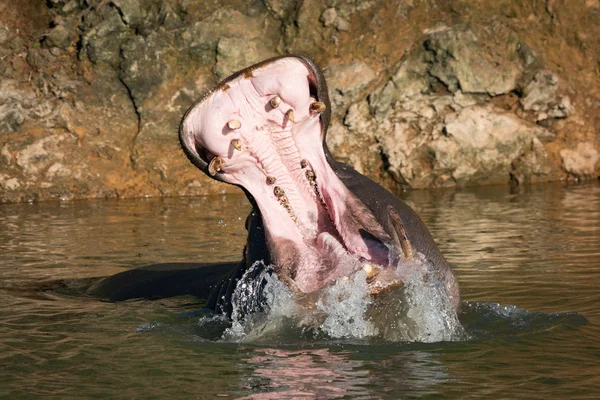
[(144, 66), (102, 41), (58, 170), (281, 9), (39, 58), (14, 105), (235, 53), (4, 34), (130, 11), (409, 80), (481, 144), (341, 24), (11, 117), (60, 36), (541, 96), (347, 81), (203, 36), (580, 162), (328, 17), (8, 183), (486, 100), (40, 154), (459, 59), (69, 7), (533, 165)]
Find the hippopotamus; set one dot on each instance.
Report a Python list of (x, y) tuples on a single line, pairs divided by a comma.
[(316, 220)]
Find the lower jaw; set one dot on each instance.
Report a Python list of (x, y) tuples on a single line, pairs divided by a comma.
[(310, 268)]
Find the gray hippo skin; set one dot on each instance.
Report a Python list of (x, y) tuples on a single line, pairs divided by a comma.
[(315, 219)]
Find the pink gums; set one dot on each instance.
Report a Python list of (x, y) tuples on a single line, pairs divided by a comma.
[(324, 224)]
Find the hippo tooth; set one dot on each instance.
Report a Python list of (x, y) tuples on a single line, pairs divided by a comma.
[(283, 200), (278, 192), (290, 115), (215, 165), (271, 180), (368, 268), (236, 144), (400, 236), (275, 102), (384, 288), (317, 107), (234, 124)]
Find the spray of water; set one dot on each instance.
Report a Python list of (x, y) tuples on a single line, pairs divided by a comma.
[(429, 307), (419, 310), (261, 304)]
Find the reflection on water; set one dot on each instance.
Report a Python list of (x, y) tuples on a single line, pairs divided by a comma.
[(538, 249), (317, 373), (326, 373)]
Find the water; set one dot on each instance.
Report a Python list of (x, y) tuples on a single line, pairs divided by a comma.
[(528, 264)]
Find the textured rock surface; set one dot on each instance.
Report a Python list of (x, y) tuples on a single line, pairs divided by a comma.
[(425, 94)]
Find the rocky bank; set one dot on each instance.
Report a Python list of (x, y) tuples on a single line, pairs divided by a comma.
[(426, 93)]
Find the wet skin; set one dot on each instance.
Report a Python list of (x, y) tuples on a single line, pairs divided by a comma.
[(315, 219)]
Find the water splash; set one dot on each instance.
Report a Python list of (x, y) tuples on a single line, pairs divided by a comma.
[(430, 307), (345, 306), (420, 310), (261, 304)]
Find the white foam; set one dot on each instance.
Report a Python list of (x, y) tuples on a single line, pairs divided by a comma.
[(420, 311), (429, 307), (344, 305)]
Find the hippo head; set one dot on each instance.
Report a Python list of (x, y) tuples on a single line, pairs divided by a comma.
[(264, 129)]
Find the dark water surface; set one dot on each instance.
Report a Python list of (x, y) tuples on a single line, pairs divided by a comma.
[(538, 249)]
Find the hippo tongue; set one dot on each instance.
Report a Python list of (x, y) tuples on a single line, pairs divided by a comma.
[(262, 129)]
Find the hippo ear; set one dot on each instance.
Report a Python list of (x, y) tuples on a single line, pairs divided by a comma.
[(399, 234)]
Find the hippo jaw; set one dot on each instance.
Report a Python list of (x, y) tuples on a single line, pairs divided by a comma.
[(264, 129)]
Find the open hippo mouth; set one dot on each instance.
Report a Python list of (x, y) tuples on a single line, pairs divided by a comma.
[(264, 129)]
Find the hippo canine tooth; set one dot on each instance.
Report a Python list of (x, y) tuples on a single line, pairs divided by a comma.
[(234, 124), (215, 165), (400, 236), (275, 102), (290, 115), (317, 107), (236, 144)]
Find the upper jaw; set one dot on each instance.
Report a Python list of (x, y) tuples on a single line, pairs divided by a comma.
[(317, 87), (263, 129)]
